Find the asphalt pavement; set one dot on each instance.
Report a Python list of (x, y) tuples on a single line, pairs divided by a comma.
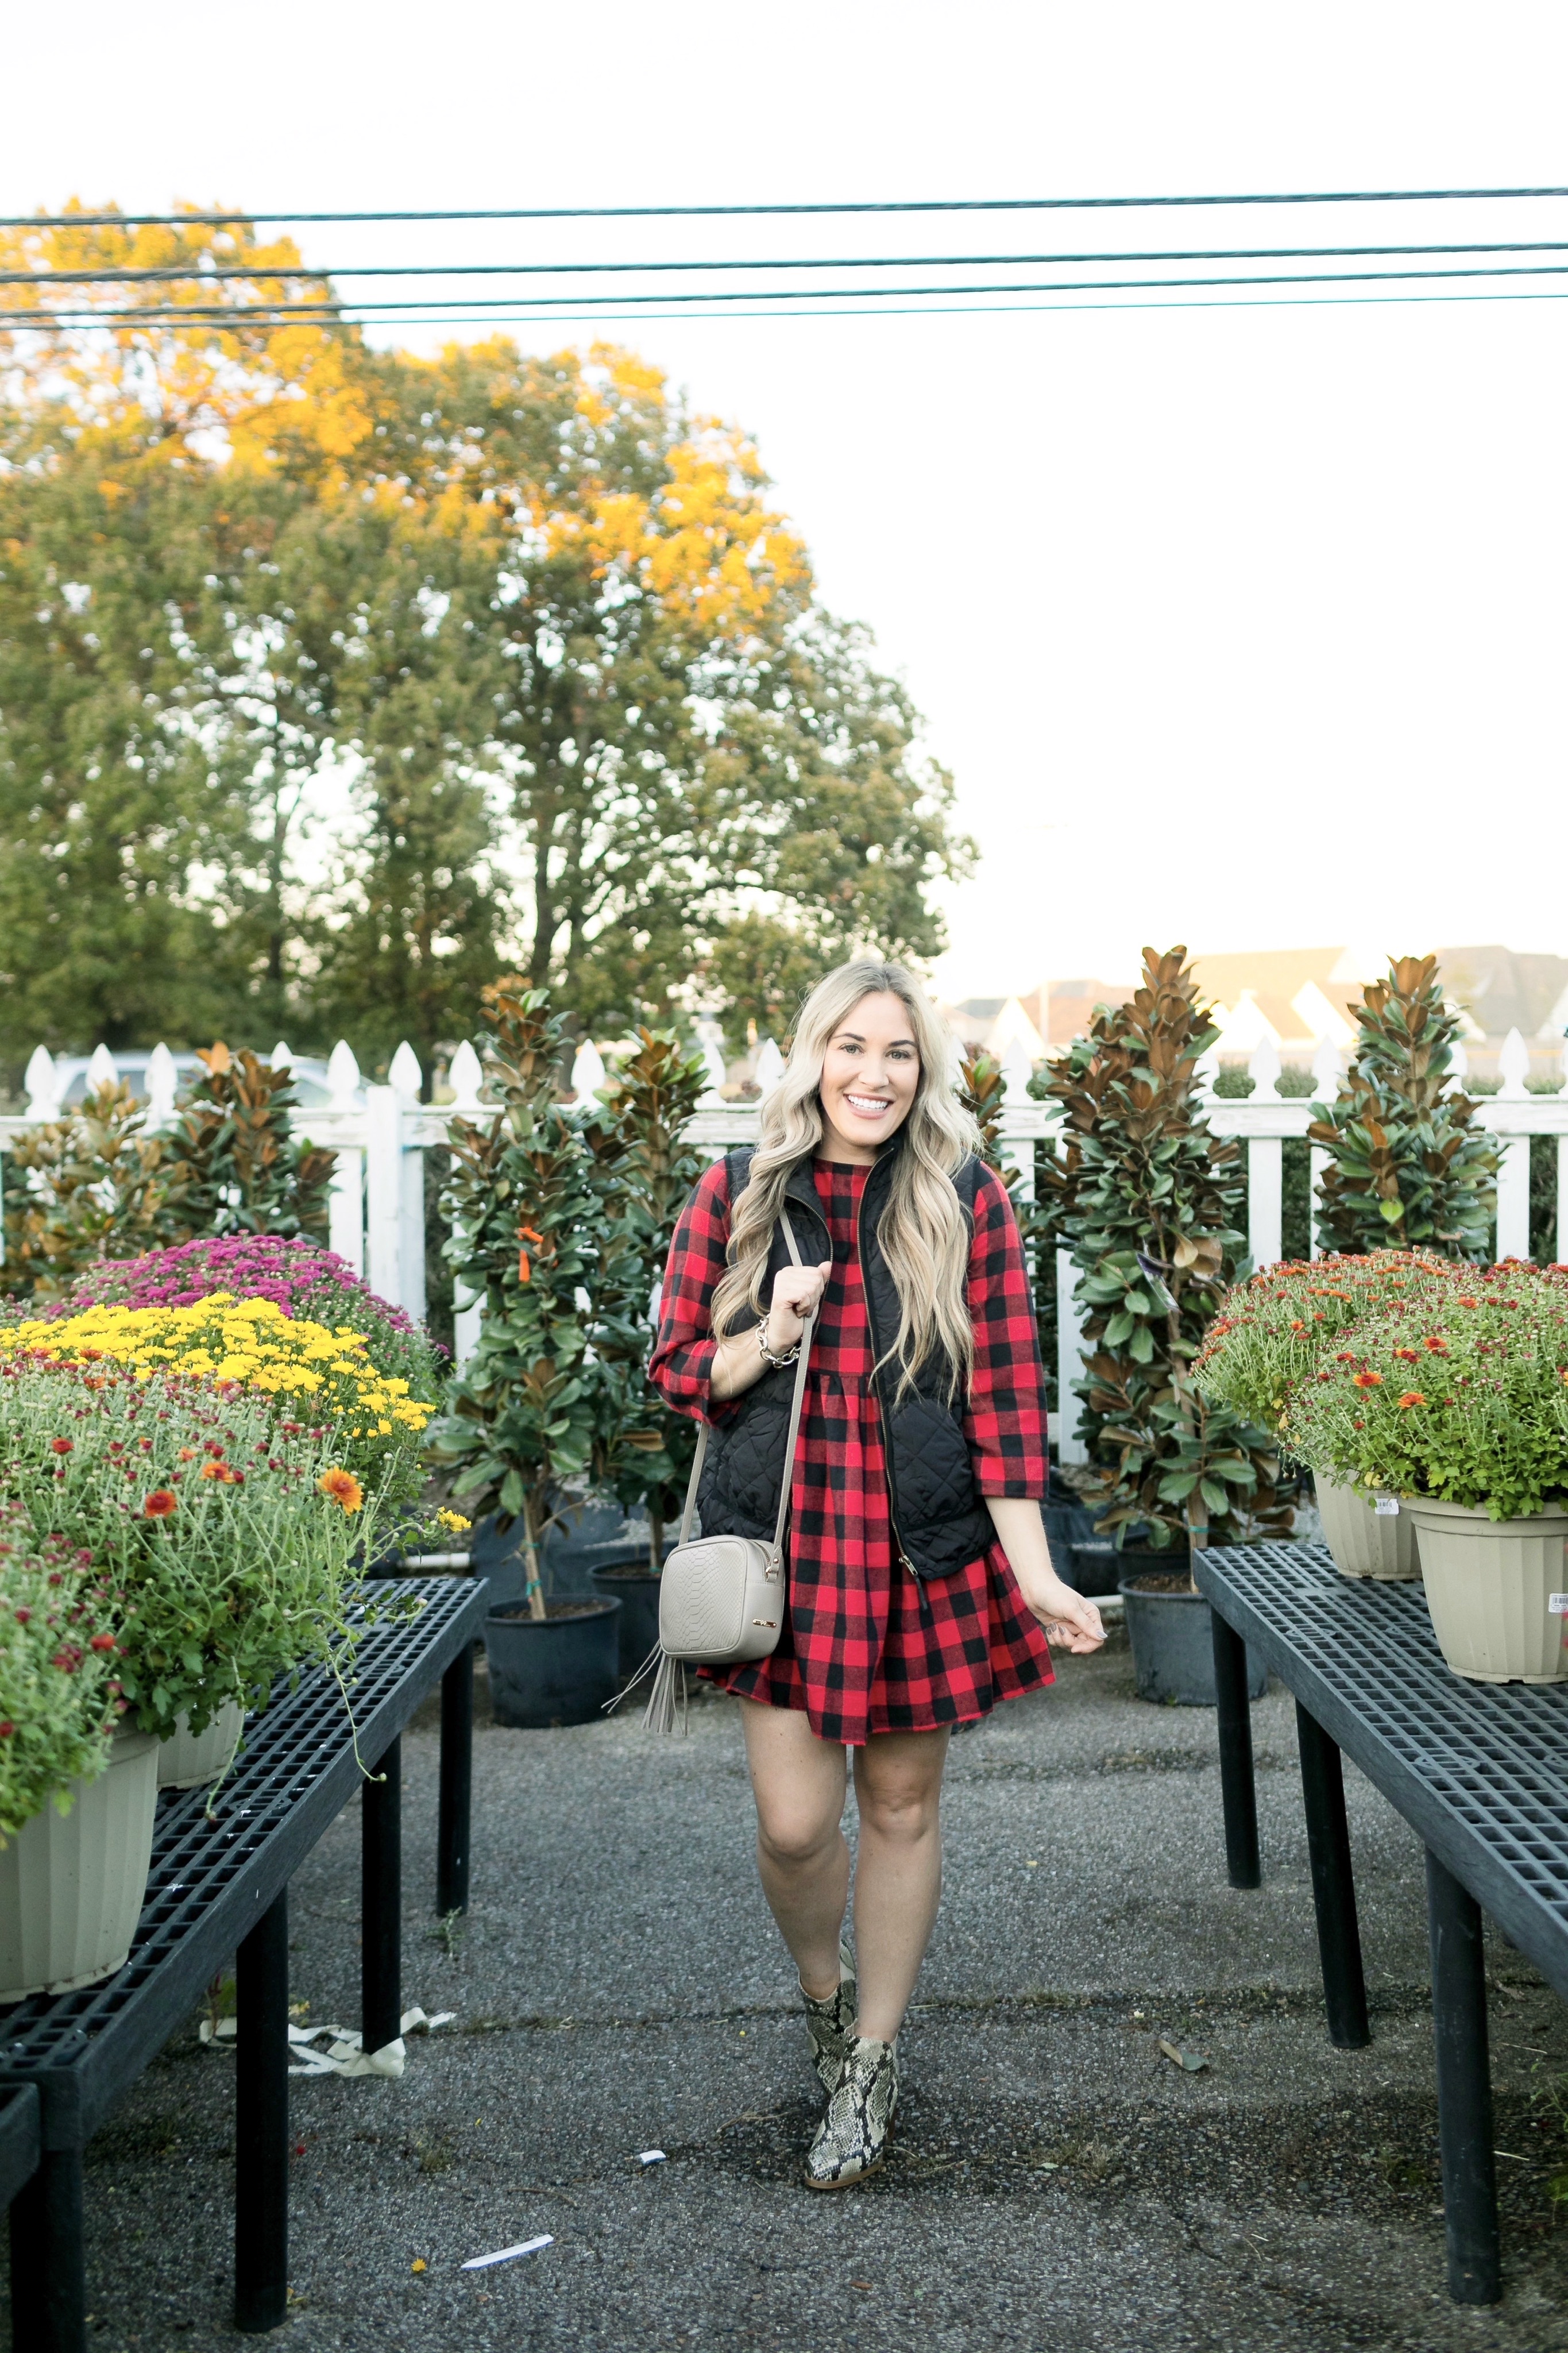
[(1057, 2179)]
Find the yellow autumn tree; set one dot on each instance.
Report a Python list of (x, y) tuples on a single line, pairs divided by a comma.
[(547, 627)]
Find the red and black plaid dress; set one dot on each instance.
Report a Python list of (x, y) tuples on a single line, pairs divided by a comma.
[(856, 1650)]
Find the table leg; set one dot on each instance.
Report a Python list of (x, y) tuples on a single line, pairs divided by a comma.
[(381, 1858), (1333, 1883), (262, 2123), (48, 2268), (456, 1803), (1238, 1791), (1464, 2087)]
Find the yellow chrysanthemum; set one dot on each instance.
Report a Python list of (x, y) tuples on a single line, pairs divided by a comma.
[(250, 1341)]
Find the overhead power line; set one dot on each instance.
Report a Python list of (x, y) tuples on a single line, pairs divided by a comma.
[(226, 274), (454, 314), (733, 212)]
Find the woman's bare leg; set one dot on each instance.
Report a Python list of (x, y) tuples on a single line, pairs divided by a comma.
[(897, 1870), (803, 1858)]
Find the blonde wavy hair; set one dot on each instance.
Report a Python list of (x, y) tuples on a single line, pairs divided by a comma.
[(923, 1233)]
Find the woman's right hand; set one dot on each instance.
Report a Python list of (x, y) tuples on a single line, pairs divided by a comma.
[(797, 1293)]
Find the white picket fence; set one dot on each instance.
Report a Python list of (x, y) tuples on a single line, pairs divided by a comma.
[(382, 1133)]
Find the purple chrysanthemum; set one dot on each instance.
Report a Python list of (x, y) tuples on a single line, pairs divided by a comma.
[(298, 1276)]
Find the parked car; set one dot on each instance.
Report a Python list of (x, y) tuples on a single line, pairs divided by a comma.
[(71, 1070)]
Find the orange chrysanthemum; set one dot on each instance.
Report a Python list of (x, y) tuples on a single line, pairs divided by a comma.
[(1369, 1380), (1411, 1398), (161, 1503), (342, 1487)]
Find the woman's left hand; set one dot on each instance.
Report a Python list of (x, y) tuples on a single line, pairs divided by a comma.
[(1070, 1619)]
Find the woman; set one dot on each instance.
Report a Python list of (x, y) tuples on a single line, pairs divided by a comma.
[(920, 1589)]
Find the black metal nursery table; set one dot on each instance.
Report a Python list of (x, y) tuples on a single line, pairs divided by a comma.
[(1480, 1769), (216, 1886)]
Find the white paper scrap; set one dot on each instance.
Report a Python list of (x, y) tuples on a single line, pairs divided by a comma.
[(1387, 1508), (345, 2053), (1557, 1603), (651, 2157), (509, 2254)]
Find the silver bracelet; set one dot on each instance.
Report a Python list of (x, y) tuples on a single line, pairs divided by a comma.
[(779, 1364)]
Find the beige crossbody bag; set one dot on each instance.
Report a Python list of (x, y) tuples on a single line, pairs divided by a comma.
[(721, 1599)]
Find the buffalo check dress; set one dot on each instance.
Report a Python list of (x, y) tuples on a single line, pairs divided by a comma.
[(861, 1649)]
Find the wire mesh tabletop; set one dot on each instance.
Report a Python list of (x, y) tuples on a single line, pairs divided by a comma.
[(220, 1857), (1480, 1769)]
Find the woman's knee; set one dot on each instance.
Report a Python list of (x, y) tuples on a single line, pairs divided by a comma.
[(900, 1795), (793, 1834), (906, 1811)]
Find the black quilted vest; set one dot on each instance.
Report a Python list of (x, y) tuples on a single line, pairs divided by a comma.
[(940, 1520)]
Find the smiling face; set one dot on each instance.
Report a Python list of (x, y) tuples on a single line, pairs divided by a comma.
[(870, 1074)]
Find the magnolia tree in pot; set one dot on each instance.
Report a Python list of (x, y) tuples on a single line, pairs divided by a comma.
[(1145, 1196), (1407, 1167), (643, 1173), (520, 1420)]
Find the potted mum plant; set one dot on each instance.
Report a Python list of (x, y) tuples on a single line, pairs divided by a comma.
[(1453, 1404), (1146, 1197), (78, 1787), (519, 1420), (1273, 1331), (171, 1411)]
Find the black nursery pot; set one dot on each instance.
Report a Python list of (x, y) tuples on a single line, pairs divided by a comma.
[(1171, 1632), (558, 1669), (629, 1579)]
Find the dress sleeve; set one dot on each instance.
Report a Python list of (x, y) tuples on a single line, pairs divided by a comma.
[(682, 1361), (1006, 1423)]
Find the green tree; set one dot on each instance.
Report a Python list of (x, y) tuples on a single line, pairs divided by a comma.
[(115, 827), (1408, 1168)]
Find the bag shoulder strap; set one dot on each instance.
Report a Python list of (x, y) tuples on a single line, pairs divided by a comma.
[(797, 1400)]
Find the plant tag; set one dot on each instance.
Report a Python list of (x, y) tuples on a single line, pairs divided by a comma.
[(1557, 1603), (508, 2254), (1387, 1507)]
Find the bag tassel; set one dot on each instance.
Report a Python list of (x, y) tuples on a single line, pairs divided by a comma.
[(669, 1675), (660, 1712)]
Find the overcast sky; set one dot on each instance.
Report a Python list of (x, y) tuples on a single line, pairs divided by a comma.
[(1238, 626)]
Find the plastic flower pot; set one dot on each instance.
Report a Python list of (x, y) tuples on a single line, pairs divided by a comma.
[(1364, 1541), (1096, 1567), (555, 1670), (189, 1760), (587, 1531), (1171, 1631), (1490, 1586), (71, 1885), (629, 1579)]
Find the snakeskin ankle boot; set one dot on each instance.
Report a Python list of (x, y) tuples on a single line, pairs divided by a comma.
[(831, 2023), (852, 2139)]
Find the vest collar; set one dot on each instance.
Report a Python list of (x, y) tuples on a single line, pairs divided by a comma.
[(800, 1185)]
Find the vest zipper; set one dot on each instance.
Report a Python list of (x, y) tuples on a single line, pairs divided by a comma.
[(904, 1560)]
